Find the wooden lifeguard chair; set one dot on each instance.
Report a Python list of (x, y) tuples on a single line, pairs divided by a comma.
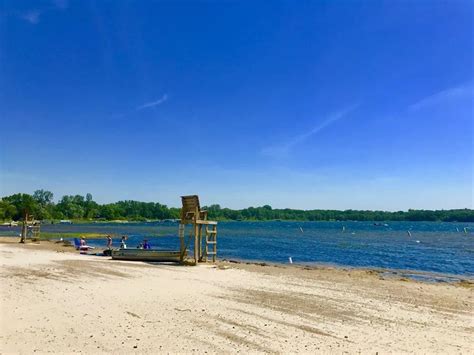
[(191, 213), (31, 229)]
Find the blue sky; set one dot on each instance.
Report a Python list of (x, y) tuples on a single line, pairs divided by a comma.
[(308, 104)]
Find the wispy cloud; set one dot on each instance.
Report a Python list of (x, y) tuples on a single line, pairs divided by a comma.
[(61, 4), (447, 95), (131, 111), (32, 16), (153, 103), (283, 149)]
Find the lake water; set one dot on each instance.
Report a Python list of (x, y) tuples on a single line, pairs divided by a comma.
[(433, 247)]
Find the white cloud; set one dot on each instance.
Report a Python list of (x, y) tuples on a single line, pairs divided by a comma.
[(153, 103), (283, 149), (32, 16), (461, 91)]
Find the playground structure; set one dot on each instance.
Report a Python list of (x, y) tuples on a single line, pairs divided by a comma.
[(205, 244)]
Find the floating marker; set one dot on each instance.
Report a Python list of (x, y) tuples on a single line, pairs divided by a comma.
[(409, 234), (290, 260)]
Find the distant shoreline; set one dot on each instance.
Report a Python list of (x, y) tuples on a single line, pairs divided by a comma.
[(77, 208), (114, 221)]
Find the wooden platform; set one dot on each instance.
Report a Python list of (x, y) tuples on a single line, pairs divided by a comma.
[(146, 255)]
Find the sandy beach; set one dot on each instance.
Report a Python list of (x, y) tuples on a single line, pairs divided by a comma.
[(55, 300)]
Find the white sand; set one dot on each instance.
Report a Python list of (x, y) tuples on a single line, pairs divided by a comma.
[(64, 302)]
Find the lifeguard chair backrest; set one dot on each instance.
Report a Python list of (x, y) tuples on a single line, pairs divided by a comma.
[(190, 211)]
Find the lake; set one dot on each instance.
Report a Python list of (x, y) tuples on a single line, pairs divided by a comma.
[(434, 247)]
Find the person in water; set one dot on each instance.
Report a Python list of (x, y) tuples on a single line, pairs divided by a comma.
[(123, 245), (146, 245)]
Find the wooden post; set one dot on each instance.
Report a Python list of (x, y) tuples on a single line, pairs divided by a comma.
[(214, 256), (200, 242), (196, 243), (24, 228), (182, 247)]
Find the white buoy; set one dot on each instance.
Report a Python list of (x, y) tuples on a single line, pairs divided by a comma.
[(301, 229), (409, 234), (290, 260)]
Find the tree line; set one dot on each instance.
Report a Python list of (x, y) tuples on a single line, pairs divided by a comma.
[(42, 207)]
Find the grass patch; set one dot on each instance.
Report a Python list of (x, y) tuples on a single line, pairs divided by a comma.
[(55, 235)]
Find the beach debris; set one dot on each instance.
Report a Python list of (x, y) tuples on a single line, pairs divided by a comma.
[(409, 233), (183, 310), (133, 314), (290, 259)]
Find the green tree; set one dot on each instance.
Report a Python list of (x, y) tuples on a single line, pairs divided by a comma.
[(7, 210), (45, 204), (43, 197)]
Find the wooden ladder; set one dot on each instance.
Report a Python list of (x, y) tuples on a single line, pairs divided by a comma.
[(211, 242)]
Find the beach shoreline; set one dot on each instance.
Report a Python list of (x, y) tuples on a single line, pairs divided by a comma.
[(55, 244), (54, 299)]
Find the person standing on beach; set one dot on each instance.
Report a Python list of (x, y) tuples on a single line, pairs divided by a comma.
[(109, 242), (122, 242)]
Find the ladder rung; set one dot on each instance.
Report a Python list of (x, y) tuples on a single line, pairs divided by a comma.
[(211, 232), (210, 242)]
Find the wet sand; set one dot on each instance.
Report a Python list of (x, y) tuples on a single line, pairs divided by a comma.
[(54, 300)]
